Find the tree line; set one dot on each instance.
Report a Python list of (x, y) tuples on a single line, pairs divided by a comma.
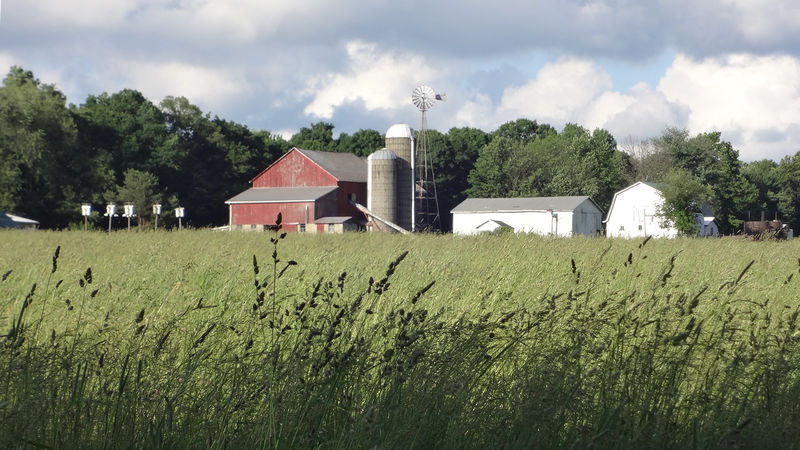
[(121, 147)]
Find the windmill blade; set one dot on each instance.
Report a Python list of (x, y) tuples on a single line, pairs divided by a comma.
[(423, 97)]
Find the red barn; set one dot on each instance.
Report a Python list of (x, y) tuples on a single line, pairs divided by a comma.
[(312, 190)]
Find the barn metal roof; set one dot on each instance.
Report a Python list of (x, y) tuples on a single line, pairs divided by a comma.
[(343, 166), (521, 204), (281, 194)]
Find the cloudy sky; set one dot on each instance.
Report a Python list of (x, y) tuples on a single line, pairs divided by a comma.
[(633, 67)]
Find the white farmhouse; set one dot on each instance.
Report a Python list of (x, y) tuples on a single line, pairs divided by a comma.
[(635, 212), (554, 216)]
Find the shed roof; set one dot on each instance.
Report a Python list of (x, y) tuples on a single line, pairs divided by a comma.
[(281, 194), (13, 221), (343, 166), (522, 204), (333, 219)]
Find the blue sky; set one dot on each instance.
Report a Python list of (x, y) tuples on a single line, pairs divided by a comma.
[(632, 67)]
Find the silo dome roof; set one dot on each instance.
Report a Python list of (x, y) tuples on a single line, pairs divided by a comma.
[(383, 153), (399, 130)]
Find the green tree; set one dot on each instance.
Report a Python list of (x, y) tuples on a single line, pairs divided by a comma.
[(140, 189), (318, 137), (273, 146), (788, 196), (202, 178), (246, 153), (129, 128), (523, 130), (362, 142), (603, 168), (684, 194), (453, 159), (733, 192), (43, 176), (489, 177), (648, 161), (764, 177), (574, 162)]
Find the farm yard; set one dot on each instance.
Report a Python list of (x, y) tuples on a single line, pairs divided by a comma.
[(252, 340)]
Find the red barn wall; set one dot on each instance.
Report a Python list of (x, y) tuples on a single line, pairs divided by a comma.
[(265, 213), (344, 207), (294, 170)]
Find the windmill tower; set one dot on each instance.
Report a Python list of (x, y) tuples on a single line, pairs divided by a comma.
[(426, 204)]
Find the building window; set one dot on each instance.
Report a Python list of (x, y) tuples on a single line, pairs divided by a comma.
[(301, 228), (640, 228), (622, 228), (331, 228), (252, 226)]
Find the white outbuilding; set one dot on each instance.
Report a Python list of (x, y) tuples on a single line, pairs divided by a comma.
[(636, 212), (8, 220), (553, 216)]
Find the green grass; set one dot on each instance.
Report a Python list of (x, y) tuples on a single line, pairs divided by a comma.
[(173, 340)]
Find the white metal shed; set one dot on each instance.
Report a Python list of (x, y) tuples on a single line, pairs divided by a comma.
[(554, 216)]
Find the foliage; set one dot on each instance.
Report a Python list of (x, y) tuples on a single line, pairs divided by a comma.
[(546, 163), (42, 175), (454, 156), (684, 195), (362, 142), (763, 176), (523, 130), (140, 189), (318, 137)]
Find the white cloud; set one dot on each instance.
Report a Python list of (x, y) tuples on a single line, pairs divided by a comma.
[(765, 21), (753, 100), (560, 93), (6, 61), (206, 87), (647, 115), (81, 13), (381, 80), (478, 112), (741, 96), (569, 90)]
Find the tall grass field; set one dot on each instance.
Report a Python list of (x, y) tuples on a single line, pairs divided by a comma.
[(200, 339)]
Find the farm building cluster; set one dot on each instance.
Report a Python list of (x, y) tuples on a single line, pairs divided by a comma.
[(325, 192)]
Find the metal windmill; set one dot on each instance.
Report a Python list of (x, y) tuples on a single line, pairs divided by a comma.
[(426, 204)]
